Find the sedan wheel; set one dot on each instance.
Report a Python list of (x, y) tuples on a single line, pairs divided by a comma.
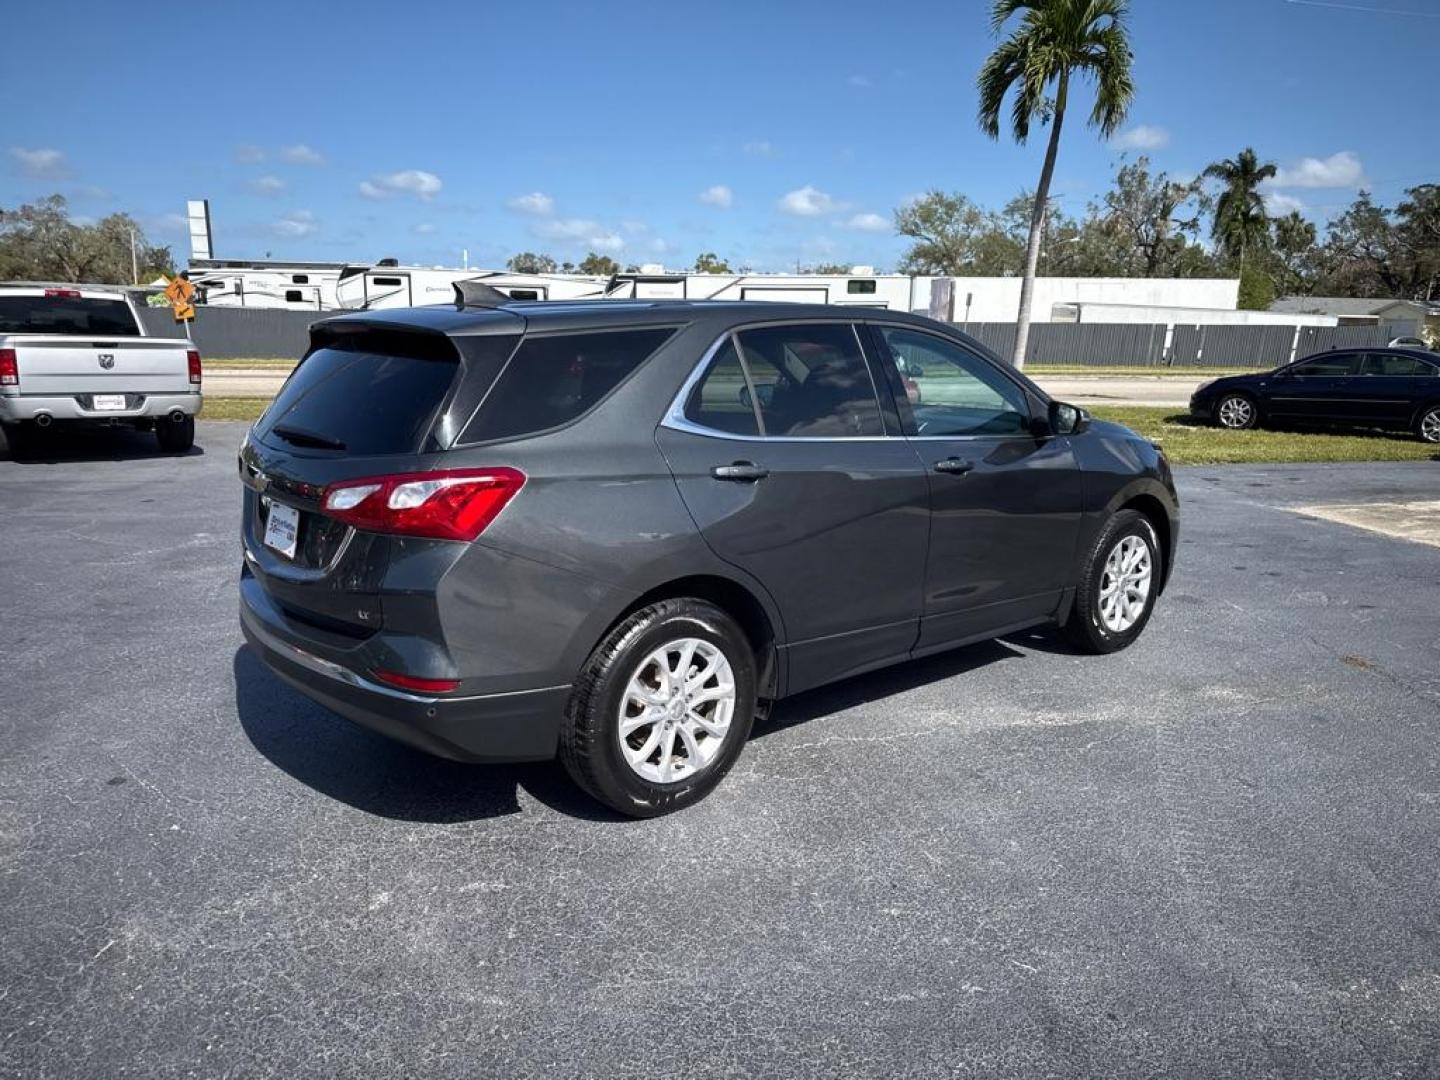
[(1236, 411), (1430, 425)]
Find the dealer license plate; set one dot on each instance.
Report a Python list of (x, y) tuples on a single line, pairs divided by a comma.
[(282, 529), (107, 402)]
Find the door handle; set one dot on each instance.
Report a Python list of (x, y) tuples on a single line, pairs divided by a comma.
[(955, 465), (746, 472)]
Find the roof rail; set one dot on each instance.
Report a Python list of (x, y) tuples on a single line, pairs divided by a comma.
[(479, 295)]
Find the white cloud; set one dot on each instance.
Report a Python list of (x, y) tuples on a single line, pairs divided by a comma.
[(41, 163), (296, 224), (718, 195), (759, 148), (860, 82), (1142, 137), (807, 201), (537, 204), (634, 226), (1280, 204), (869, 223), (300, 154), (249, 154), (422, 229), (1342, 170), (266, 185), (416, 182), (579, 231)]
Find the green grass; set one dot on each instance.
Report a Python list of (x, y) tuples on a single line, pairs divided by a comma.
[(1113, 370), (1186, 441)]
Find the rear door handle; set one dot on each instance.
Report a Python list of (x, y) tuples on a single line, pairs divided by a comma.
[(955, 465), (746, 472)]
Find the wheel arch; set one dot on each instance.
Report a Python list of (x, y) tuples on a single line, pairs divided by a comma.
[(1420, 410), (1154, 511)]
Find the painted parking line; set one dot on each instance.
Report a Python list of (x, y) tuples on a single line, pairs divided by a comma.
[(1415, 521)]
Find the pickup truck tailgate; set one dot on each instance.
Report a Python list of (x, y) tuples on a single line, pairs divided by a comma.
[(65, 365)]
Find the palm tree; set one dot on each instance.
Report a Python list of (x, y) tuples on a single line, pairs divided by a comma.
[(1240, 218), (1055, 40)]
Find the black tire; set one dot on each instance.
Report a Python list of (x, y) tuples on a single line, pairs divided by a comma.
[(1427, 424), (175, 438), (1236, 412), (590, 732), (1085, 626), (18, 440)]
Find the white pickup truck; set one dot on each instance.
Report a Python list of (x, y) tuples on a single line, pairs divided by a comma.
[(79, 354)]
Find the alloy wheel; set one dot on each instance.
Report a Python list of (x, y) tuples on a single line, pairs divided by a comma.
[(1125, 584), (676, 711), (1236, 412), (1430, 426)]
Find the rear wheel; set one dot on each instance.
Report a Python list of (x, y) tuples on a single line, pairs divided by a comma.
[(1117, 588), (175, 438), (662, 708), (1236, 412), (1428, 426)]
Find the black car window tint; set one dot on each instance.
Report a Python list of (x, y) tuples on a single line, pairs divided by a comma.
[(810, 381), (1395, 365), (721, 400), (1338, 364)]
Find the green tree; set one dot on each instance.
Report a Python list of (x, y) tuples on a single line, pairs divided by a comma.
[(1241, 224), (832, 269), (1152, 216), (952, 235), (39, 242), (1257, 289), (1055, 41), (710, 263), (599, 265), (527, 262), (1293, 255)]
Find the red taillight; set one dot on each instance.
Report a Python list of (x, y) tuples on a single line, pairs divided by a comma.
[(412, 682), (449, 504), (193, 358), (9, 369), (69, 294)]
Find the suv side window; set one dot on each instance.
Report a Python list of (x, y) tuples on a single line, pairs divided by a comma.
[(1395, 364), (952, 391), (721, 400), (810, 381), (1336, 364)]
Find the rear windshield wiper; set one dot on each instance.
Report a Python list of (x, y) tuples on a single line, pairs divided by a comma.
[(303, 437)]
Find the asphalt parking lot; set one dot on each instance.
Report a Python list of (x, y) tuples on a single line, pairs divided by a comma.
[(1217, 854)]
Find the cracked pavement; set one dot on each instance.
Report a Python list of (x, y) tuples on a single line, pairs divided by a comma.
[(1216, 854)]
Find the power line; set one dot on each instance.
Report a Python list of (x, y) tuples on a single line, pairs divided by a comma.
[(1337, 6)]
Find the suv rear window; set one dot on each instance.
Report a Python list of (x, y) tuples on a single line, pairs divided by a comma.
[(362, 402), (553, 379), (66, 315)]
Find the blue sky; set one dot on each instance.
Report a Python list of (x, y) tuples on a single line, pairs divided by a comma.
[(767, 132)]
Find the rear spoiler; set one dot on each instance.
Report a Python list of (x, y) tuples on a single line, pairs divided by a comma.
[(476, 294)]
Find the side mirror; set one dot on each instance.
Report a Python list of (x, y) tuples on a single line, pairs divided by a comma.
[(1066, 419)]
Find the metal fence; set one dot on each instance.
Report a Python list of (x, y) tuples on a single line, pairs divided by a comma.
[(246, 333), (222, 333)]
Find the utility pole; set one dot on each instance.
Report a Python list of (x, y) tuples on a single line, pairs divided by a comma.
[(134, 262)]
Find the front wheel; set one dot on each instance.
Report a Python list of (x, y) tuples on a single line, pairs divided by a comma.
[(175, 438), (1428, 426), (1236, 412), (1118, 585), (662, 708)]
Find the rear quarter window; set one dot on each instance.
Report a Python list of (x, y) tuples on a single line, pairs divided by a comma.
[(101, 317), (555, 378)]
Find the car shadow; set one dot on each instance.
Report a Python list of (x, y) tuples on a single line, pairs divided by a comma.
[(386, 778), (82, 444), (383, 777)]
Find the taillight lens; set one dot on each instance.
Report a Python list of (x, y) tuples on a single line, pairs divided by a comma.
[(413, 682), (193, 358), (451, 504), (9, 368)]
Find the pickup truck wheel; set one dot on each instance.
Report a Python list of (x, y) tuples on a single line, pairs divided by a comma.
[(175, 438), (1118, 585), (661, 709), (17, 440)]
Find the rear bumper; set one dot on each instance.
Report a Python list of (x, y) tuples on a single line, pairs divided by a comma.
[(17, 407), (519, 726)]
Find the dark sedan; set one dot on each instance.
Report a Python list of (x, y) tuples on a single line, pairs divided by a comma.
[(1398, 389)]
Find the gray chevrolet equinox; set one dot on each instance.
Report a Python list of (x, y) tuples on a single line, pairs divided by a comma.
[(617, 531)]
